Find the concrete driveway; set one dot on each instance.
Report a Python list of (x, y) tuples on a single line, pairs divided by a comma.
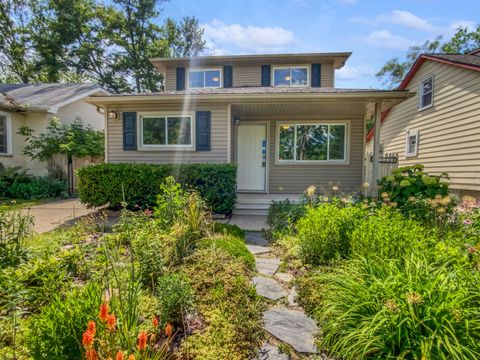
[(51, 215)]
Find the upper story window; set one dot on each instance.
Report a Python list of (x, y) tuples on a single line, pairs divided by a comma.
[(426, 93), (204, 78), (4, 140), (411, 145), (166, 131), (290, 76)]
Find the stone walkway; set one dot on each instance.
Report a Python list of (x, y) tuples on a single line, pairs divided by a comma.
[(284, 320)]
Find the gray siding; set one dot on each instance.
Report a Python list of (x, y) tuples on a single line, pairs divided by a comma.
[(218, 152)]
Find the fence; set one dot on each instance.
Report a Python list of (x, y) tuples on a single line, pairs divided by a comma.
[(388, 163)]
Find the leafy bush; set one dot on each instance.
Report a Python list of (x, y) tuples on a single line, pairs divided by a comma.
[(56, 333), (409, 309), (232, 245), (14, 228), (37, 188), (171, 202), (148, 248), (282, 215), (228, 229), (323, 234), (388, 235), (140, 183), (175, 297)]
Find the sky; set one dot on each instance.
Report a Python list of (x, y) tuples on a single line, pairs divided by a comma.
[(373, 30)]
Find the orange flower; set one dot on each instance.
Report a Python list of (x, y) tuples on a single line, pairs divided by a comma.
[(111, 322), (119, 355), (131, 357), (91, 327), (91, 354), (169, 329), (155, 322), (103, 312), (87, 338), (142, 341)]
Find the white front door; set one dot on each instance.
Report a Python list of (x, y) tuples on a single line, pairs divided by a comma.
[(251, 157)]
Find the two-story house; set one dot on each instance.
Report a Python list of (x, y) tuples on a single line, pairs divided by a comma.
[(278, 117), (440, 127)]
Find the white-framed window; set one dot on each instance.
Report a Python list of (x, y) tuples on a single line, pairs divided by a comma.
[(166, 131), (290, 76), (5, 134), (411, 143), (312, 142), (426, 93), (204, 78)]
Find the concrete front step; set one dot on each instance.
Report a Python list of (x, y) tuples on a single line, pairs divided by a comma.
[(257, 212)]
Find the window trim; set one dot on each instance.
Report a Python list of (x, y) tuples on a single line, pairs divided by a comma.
[(420, 107), (8, 125), (345, 161), (220, 81), (409, 134), (166, 147), (278, 67)]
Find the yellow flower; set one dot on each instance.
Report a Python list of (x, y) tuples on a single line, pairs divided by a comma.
[(334, 188), (384, 195), (311, 191), (414, 298)]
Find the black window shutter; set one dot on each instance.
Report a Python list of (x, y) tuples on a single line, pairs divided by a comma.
[(180, 78), (266, 75), (228, 76), (202, 130), (316, 75), (129, 131)]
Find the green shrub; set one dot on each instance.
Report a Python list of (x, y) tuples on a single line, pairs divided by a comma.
[(37, 188), (148, 248), (56, 333), (14, 228), (175, 296), (232, 245), (228, 229), (140, 183), (171, 202), (282, 215), (389, 235), (409, 309), (323, 234)]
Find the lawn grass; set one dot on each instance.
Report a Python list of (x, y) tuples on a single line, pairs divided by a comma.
[(10, 204)]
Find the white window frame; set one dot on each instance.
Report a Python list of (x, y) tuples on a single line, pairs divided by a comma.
[(9, 133), (166, 146), (421, 93), (220, 81), (344, 161), (290, 68), (411, 134)]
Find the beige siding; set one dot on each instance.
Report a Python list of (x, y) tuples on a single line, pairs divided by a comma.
[(218, 152), (83, 111), (449, 132), (250, 75), (16, 158)]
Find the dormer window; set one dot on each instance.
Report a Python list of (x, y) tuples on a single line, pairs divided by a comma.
[(204, 78), (290, 76)]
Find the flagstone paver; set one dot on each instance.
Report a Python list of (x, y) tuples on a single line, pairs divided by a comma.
[(267, 266), (292, 297), (256, 238), (257, 249), (269, 288), (285, 277), (271, 352)]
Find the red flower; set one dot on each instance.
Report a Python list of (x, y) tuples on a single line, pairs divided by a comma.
[(87, 338), (142, 341), (111, 322), (169, 329), (131, 357), (119, 355), (103, 312), (91, 327), (91, 354), (155, 322)]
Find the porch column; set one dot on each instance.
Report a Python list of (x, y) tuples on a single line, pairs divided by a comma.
[(376, 149)]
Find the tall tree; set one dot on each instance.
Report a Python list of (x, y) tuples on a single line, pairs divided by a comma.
[(393, 72)]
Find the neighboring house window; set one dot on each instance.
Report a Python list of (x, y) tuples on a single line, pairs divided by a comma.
[(426, 93), (166, 131), (312, 142), (290, 76), (4, 134), (411, 146), (210, 78)]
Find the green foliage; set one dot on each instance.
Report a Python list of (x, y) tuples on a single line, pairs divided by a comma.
[(56, 333), (323, 234), (73, 140), (175, 298), (282, 215), (148, 248), (140, 183), (388, 235), (234, 246), (228, 229), (14, 228), (171, 202), (409, 309)]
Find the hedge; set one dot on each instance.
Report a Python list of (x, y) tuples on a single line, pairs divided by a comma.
[(140, 183)]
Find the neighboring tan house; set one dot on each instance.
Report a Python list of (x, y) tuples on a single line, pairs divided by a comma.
[(33, 105), (439, 128), (278, 117)]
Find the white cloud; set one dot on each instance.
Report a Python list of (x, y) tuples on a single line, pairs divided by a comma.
[(384, 38), (452, 28), (248, 38), (348, 2), (363, 20), (354, 72), (408, 19)]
